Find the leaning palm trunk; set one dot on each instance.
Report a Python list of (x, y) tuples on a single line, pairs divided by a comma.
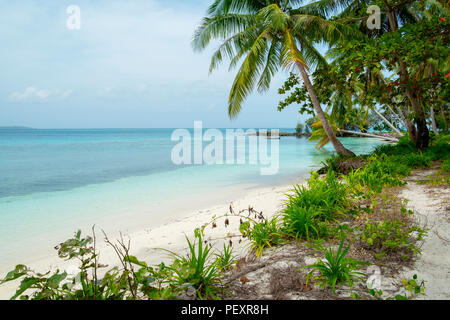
[(388, 122), (393, 139), (399, 114), (340, 149)]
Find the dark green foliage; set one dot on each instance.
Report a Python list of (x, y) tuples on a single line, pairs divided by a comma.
[(446, 166), (404, 146), (440, 149), (416, 160)]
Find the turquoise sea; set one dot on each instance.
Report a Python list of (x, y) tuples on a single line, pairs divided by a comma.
[(55, 181)]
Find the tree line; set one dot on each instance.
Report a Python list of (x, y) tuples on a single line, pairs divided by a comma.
[(399, 72)]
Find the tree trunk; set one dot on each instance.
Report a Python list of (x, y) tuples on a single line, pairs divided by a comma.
[(399, 114), (444, 116), (433, 122), (409, 125), (387, 122), (340, 149), (369, 135), (421, 138)]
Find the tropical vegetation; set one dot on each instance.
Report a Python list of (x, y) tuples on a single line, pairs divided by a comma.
[(394, 79)]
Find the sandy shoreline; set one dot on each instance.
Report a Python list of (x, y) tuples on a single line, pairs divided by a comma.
[(146, 243)]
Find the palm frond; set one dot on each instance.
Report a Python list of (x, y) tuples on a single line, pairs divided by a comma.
[(220, 27)]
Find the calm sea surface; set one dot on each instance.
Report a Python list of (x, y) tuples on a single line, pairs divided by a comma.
[(55, 181)]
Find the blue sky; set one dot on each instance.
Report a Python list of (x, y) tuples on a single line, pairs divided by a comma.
[(130, 65)]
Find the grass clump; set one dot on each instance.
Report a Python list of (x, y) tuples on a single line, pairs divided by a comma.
[(304, 223), (262, 234), (380, 171), (225, 259), (327, 196), (403, 146), (310, 208), (336, 268), (197, 269)]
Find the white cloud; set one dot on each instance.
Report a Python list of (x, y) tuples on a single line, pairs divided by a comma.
[(36, 94), (30, 93), (66, 93)]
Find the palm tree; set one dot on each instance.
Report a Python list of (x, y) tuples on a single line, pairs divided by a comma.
[(267, 35), (395, 14)]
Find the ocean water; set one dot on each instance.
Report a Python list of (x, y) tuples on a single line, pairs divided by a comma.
[(53, 182)]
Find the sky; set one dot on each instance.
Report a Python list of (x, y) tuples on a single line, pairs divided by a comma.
[(130, 65)]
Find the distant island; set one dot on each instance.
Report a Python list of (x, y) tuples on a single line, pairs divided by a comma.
[(15, 128)]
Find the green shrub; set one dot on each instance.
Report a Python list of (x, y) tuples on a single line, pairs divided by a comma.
[(327, 197), (388, 236), (403, 146), (225, 260), (446, 166), (133, 280), (262, 234), (440, 150), (336, 268), (417, 160), (380, 171), (197, 269), (303, 222)]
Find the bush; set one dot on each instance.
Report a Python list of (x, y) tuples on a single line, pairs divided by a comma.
[(416, 160), (337, 268), (440, 150), (134, 280), (262, 234), (380, 171), (197, 269), (446, 166), (403, 146), (327, 197), (303, 223), (388, 236)]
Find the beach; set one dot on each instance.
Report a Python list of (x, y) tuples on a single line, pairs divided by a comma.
[(146, 244), (123, 181)]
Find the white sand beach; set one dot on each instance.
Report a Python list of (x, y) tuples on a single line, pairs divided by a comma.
[(147, 243)]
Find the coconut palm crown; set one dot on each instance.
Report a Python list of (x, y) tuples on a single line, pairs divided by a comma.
[(267, 35)]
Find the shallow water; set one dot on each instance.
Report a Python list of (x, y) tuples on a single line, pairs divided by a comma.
[(55, 181)]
